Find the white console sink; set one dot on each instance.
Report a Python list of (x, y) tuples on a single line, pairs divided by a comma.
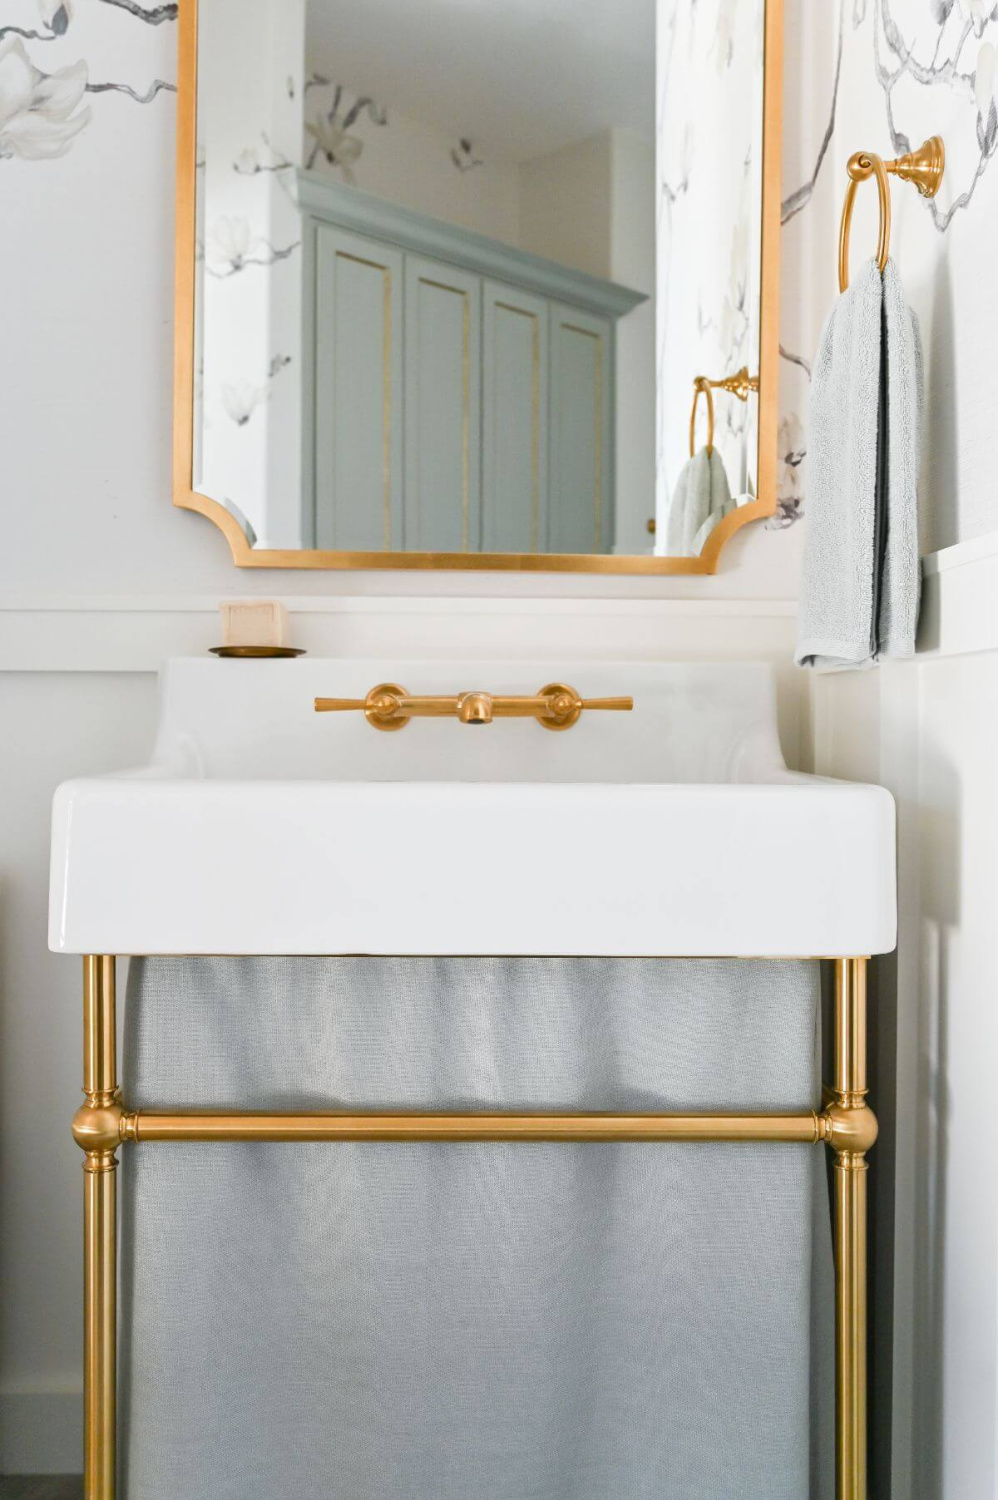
[(260, 826)]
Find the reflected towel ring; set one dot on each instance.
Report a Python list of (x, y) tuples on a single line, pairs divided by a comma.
[(923, 167), (739, 384), (701, 387)]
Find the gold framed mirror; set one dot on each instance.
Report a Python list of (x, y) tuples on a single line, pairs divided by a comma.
[(437, 332)]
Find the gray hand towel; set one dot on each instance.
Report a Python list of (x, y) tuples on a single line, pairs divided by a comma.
[(861, 573), (701, 490), (708, 526)]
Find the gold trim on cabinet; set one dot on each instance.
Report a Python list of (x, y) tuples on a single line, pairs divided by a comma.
[(535, 429), (589, 333), (460, 291), (245, 556), (386, 408), (386, 386)]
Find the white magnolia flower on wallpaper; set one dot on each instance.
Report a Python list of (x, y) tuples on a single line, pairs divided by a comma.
[(240, 400), (253, 160), (231, 241), (232, 246), (464, 157), (985, 79), (979, 13), (338, 147), (247, 162), (38, 111), (331, 131)]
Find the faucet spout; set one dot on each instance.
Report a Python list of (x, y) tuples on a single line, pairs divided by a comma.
[(475, 708)]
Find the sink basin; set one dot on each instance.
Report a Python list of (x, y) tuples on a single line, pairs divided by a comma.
[(260, 826)]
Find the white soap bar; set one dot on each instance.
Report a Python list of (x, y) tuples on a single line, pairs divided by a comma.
[(254, 622)]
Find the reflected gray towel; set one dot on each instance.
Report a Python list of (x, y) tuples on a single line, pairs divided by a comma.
[(702, 495), (503, 1322), (861, 572)]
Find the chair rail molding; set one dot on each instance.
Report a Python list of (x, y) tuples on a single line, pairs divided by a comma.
[(41, 633)]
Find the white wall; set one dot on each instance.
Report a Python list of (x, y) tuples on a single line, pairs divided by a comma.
[(928, 730), (871, 76), (566, 205), (101, 578), (56, 725)]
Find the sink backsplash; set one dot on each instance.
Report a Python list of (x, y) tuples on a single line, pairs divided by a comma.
[(249, 720)]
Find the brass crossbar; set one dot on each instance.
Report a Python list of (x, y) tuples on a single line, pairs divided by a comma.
[(471, 1127), (102, 1124)]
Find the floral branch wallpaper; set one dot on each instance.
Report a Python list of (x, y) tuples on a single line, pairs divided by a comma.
[(882, 76), (43, 100), (330, 129), (709, 91), (878, 74)]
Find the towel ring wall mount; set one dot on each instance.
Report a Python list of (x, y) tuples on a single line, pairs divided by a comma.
[(739, 384), (923, 167)]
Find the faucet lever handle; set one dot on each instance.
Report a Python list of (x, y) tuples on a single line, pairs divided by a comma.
[(612, 705), (561, 706), (385, 706)]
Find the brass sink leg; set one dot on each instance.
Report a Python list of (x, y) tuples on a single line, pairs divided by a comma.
[(853, 1130), (95, 1129), (847, 1125)]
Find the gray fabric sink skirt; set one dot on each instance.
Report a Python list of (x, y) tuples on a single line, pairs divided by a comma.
[(374, 1321)]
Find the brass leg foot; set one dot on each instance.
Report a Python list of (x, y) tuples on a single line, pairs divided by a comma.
[(850, 1326), (99, 1226)]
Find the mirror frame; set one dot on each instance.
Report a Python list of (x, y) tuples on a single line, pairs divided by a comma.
[(246, 556)]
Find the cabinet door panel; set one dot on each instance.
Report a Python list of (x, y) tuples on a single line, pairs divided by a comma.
[(442, 408), (356, 412), (580, 493), (514, 419)]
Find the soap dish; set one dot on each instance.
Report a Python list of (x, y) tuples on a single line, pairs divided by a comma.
[(257, 651)]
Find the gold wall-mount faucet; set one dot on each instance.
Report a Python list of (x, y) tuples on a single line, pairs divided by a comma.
[(389, 706)]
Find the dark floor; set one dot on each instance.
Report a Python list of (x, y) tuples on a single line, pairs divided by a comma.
[(41, 1486)]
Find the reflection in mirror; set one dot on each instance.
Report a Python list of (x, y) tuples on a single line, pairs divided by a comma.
[(454, 284)]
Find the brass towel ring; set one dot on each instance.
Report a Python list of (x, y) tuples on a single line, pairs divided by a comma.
[(923, 167), (739, 384), (701, 387)]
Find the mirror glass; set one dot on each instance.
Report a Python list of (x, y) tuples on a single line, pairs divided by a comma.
[(459, 263)]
